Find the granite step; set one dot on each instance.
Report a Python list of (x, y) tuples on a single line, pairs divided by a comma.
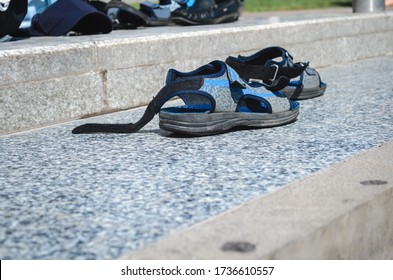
[(322, 185), (45, 81)]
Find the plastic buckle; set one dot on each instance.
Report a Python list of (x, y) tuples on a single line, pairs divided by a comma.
[(275, 74), (255, 81)]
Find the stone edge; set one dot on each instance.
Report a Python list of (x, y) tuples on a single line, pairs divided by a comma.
[(328, 215)]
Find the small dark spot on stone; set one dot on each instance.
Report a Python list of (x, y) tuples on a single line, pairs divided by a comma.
[(25, 222), (373, 182), (241, 247)]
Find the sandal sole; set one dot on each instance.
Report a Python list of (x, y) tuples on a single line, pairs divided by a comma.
[(294, 94), (223, 19), (216, 123), (160, 22)]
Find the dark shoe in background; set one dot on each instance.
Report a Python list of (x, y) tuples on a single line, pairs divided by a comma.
[(122, 15), (160, 13), (208, 12), (11, 16)]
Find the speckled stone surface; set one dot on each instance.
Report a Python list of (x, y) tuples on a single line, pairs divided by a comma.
[(136, 61), (65, 196)]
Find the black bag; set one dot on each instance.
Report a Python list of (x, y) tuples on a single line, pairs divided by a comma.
[(12, 17)]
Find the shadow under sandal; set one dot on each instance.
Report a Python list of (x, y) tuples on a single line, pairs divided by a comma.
[(307, 85), (216, 100), (224, 102)]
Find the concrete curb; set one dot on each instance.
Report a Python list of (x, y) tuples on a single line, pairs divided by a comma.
[(49, 80), (342, 212)]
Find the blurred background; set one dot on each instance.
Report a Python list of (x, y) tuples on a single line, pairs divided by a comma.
[(274, 5), (37, 6)]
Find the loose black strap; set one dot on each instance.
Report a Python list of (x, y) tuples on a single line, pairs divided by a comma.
[(153, 108), (265, 55)]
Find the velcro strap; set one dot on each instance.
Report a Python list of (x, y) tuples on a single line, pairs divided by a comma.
[(234, 78)]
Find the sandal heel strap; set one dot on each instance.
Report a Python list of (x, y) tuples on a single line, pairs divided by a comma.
[(271, 76), (153, 108)]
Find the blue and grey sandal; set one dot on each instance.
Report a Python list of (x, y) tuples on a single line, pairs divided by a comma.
[(223, 102), (216, 101), (301, 85)]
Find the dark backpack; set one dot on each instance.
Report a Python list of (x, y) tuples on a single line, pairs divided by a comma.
[(12, 17)]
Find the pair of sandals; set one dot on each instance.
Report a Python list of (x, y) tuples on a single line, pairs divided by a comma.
[(248, 91)]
